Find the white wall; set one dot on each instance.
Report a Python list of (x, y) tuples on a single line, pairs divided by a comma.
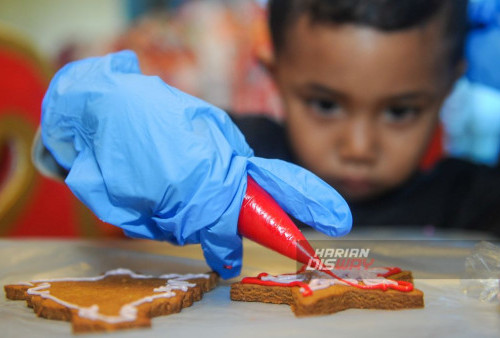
[(52, 23)]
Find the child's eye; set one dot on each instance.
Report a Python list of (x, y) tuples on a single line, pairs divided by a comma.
[(324, 107), (401, 114)]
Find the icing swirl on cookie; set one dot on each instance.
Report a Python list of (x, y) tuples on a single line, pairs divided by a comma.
[(368, 279), (280, 280), (128, 312)]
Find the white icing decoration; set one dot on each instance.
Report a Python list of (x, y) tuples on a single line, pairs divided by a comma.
[(175, 284), (185, 276), (128, 312), (119, 271), (284, 279), (369, 277)]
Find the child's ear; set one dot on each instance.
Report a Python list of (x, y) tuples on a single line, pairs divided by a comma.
[(458, 72), (267, 59), (460, 69)]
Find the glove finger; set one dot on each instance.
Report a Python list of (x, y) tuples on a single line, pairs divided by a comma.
[(68, 95), (222, 245), (303, 195)]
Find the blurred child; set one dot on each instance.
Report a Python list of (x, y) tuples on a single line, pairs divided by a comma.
[(362, 84)]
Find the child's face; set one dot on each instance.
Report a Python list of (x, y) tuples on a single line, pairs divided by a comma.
[(362, 105)]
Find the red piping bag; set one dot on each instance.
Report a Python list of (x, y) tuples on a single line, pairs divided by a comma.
[(263, 221)]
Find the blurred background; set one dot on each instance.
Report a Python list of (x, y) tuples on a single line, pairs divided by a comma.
[(208, 48)]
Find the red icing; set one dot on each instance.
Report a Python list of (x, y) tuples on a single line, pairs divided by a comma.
[(258, 280), (390, 271), (400, 286)]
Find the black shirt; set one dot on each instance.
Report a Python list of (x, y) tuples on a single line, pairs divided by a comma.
[(453, 194)]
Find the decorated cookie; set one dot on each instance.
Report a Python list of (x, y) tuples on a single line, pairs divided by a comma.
[(119, 299), (316, 293)]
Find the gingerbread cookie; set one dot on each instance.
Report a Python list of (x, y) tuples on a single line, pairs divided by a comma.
[(316, 293), (119, 299)]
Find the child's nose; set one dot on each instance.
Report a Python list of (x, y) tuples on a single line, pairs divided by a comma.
[(358, 141)]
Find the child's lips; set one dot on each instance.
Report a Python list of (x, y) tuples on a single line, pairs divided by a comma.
[(356, 186)]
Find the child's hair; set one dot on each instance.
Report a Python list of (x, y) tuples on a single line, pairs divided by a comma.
[(384, 15)]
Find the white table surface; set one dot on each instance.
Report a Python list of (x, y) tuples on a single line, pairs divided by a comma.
[(448, 311)]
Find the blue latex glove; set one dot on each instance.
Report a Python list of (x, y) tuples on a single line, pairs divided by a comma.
[(167, 166)]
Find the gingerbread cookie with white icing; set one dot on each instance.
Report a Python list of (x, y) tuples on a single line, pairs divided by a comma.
[(119, 299), (317, 293)]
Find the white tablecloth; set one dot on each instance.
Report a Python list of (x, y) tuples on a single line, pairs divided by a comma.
[(447, 313)]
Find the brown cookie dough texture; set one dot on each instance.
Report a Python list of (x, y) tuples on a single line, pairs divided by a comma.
[(119, 299), (331, 299)]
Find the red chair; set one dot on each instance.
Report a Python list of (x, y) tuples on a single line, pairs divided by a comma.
[(32, 205)]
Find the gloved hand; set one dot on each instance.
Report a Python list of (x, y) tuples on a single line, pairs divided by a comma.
[(164, 165)]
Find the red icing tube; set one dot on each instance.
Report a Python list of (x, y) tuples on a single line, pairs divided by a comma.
[(263, 221)]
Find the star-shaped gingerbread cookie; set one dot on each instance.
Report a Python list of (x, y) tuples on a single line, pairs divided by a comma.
[(315, 293)]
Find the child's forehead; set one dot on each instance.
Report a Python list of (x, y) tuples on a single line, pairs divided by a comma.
[(427, 41), (363, 61)]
